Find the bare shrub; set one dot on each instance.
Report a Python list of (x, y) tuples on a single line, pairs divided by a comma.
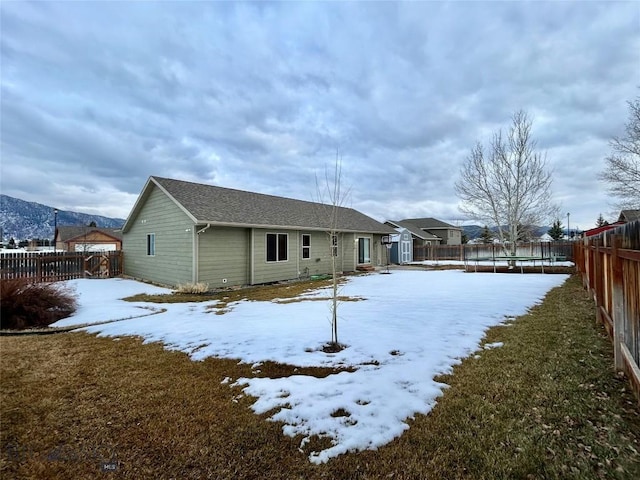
[(24, 304), (192, 288)]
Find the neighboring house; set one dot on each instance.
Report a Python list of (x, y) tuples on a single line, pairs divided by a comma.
[(448, 234), (627, 216), (420, 237), (183, 232), (545, 237), (88, 239)]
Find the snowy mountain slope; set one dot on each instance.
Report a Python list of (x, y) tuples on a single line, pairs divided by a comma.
[(22, 220)]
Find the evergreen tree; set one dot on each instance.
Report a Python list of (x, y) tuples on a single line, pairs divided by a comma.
[(556, 231), (93, 224), (601, 222), (486, 236)]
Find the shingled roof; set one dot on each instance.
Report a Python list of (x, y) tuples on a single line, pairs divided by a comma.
[(208, 204), (414, 230), (428, 223), (66, 233)]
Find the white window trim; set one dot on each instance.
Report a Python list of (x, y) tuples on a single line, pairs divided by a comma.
[(306, 248)]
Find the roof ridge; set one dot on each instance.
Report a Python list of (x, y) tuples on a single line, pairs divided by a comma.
[(240, 190)]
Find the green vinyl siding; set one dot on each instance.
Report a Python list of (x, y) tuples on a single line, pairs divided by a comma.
[(319, 261), (173, 230), (265, 271), (224, 256), (349, 251)]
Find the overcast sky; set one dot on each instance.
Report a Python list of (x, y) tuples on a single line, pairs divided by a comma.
[(98, 96)]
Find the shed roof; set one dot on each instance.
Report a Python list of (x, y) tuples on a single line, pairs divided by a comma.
[(208, 204)]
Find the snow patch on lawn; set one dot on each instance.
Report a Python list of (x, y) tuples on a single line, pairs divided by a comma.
[(412, 327)]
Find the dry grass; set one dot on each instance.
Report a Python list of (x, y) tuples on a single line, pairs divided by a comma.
[(192, 288), (281, 293), (545, 405)]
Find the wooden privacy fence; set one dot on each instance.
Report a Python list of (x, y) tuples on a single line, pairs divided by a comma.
[(610, 268), (56, 266), (544, 250)]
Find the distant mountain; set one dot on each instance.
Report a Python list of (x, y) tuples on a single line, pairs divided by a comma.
[(472, 231), (475, 231), (23, 220)]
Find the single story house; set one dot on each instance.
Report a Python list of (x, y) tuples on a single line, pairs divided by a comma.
[(448, 234), (183, 232), (88, 239)]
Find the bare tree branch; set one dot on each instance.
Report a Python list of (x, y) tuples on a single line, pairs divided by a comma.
[(510, 187), (622, 171)]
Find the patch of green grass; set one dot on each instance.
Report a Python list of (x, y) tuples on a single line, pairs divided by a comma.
[(546, 405)]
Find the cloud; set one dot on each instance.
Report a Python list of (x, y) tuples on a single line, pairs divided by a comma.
[(261, 96)]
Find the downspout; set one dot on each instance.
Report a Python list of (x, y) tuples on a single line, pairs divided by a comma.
[(194, 257), (196, 251), (202, 230), (298, 254), (252, 259)]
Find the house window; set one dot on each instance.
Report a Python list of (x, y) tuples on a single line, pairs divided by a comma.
[(334, 245), (277, 247), (151, 244), (306, 246)]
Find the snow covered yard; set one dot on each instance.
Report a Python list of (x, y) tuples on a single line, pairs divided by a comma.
[(411, 327)]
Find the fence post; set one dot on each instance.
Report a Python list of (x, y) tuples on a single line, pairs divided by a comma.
[(618, 312), (597, 286), (38, 268)]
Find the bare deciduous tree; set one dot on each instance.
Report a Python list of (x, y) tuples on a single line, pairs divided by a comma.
[(331, 199), (622, 172), (508, 185)]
